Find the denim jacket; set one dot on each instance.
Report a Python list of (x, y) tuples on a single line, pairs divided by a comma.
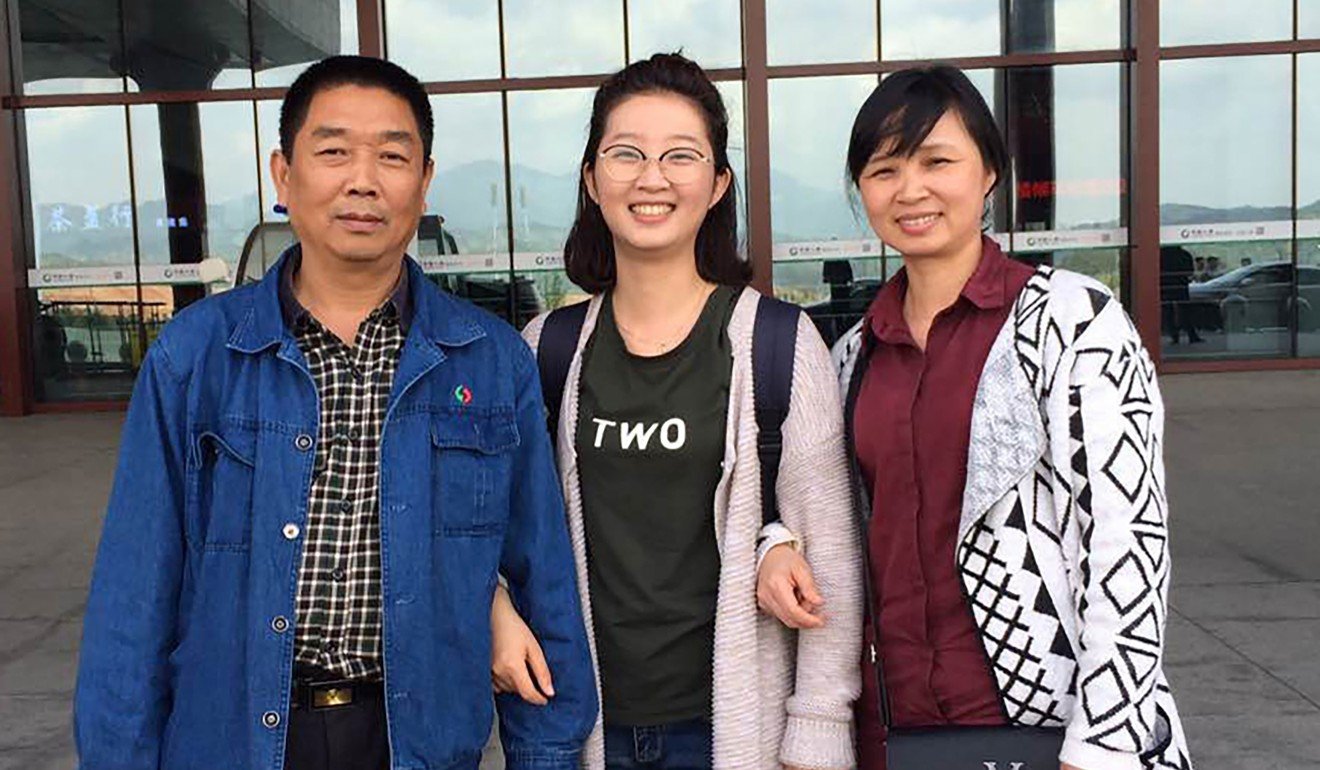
[(183, 662)]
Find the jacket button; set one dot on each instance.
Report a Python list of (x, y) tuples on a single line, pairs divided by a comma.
[(291, 531), (303, 442), (270, 719), (280, 624)]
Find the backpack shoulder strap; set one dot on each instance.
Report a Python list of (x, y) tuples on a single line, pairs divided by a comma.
[(774, 340), (554, 356)]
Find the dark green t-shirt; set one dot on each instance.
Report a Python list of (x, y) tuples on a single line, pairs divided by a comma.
[(650, 442)]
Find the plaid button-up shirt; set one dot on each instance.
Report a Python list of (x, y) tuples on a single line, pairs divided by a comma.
[(338, 623)]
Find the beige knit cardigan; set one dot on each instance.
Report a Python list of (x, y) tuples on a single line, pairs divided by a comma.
[(780, 696)]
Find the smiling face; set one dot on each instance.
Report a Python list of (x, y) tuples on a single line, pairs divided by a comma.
[(652, 214), (929, 203), (356, 184)]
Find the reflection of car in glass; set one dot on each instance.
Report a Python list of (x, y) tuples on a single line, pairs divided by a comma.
[(1261, 296), (490, 293), (269, 239), (848, 300), (261, 250)]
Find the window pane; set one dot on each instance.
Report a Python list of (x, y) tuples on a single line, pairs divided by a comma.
[(194, 218), (1065, 25), (1308, 206), (275, 233), (547, 132), (1104, 265), (569, 37), (67, 53), (1066, 127), (187, 47), (708, 31), (465, 230), (86, 342), (820, 31), (1196, 22), (826, 256), (732, 94), (85, 311), (288, 35), (1308, 20), (78, 174), (920, 29), (1225, 206), (455, 40)]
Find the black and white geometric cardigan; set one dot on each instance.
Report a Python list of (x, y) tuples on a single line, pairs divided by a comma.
[(1063, 538)]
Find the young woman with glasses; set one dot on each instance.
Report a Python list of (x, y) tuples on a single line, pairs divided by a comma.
[(657, 449)]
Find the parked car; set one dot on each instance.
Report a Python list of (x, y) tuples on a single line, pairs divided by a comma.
[(1261, 296), (849, 299)]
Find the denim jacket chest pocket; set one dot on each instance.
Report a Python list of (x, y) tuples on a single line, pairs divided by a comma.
[(221, 471), (472, 467)]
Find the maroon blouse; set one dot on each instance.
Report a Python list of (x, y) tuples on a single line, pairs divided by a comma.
[(912, 422)]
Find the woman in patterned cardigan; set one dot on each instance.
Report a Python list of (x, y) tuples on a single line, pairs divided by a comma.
[(1007, 436)]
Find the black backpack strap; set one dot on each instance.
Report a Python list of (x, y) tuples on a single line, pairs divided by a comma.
[(774, 339), (554, 356)]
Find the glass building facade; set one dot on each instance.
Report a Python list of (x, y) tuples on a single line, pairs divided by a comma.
[(1159, 146)]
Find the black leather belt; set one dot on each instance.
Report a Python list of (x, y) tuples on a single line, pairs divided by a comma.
[(333, 694)]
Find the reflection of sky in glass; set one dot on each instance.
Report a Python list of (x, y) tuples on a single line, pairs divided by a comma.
[(1224, 131), (1084, 25), (1195, 22), (1079, 25), (1308, 20), (547, 132), (229, 168), (1308, 135), (73, 86), (933, 29), (563, 37), (708, 31), (70, 170), (1087, 142), (454, 40), (799, 32), (468, 187), (268, 140), (810, 122)]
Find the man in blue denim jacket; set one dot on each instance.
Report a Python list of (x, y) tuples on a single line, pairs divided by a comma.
[(321, 476)]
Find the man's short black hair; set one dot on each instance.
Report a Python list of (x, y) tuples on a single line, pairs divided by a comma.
[(364, 71)]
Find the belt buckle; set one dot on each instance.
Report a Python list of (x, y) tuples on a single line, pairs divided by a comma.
[(332, 695)]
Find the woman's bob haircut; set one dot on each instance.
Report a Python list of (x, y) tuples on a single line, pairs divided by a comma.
[(900, 113), (589, 250)]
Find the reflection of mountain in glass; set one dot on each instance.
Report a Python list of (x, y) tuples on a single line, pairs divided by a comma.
[(471, 198)]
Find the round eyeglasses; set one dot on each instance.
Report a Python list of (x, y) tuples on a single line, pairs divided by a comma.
[(680, 165)]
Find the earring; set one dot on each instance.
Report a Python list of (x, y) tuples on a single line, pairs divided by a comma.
[(280, 208)]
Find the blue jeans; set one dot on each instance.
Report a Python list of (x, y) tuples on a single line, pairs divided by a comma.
[(676, 746)]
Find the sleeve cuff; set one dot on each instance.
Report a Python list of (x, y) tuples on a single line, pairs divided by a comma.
[(774, 534), (1087, 756), (817, 744)]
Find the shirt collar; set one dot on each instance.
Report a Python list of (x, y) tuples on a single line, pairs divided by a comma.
[(294, 313), (986, 290)]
